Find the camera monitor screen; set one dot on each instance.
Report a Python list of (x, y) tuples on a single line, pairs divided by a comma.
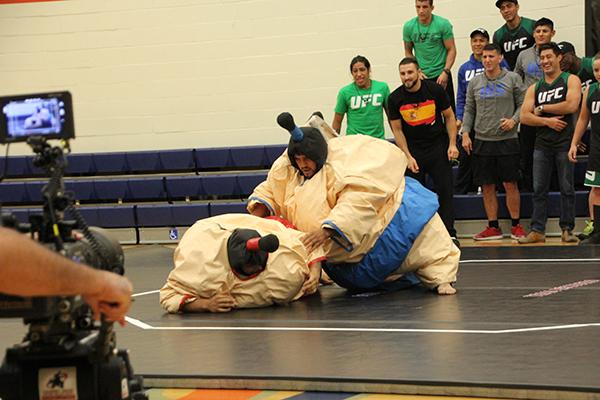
[(44, 114)]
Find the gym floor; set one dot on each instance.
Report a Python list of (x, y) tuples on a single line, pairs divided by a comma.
[(525, 324)]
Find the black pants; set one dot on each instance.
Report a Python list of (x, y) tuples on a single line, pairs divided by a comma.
[(449, 91), (464, 178), (527, 143), (433, 161)]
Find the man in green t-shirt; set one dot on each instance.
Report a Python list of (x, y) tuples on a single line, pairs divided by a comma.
[(429, 38), (582, 67)]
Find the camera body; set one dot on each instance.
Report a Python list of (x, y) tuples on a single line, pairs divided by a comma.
[(65, 353)]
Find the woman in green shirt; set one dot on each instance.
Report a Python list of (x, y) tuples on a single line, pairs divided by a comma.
[(364, 100)]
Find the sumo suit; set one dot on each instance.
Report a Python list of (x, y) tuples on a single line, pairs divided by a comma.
[(202, 266), (383, 222)]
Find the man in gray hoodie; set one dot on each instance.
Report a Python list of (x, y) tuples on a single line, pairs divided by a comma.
[(489, 131)]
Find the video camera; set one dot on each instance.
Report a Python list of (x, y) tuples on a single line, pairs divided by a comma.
[(65, 353)]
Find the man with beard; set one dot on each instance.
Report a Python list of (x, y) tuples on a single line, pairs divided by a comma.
[(420, 116), (351, 197)]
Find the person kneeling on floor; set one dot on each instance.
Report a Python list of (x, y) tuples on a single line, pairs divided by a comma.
[(239, 261)]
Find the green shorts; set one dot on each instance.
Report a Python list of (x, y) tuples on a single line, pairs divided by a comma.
[(592, 179)]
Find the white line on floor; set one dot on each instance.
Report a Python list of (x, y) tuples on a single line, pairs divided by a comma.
[(145, 293), (531, 260), (143, 325)]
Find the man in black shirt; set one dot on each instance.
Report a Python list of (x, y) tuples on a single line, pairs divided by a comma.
[(424, 127)]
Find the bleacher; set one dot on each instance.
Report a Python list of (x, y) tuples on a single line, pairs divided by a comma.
[(138, 191)]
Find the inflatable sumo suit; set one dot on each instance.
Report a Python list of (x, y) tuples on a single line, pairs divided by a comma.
[(205, 260), (384, 223)]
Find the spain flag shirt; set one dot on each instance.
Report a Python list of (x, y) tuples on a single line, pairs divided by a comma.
[(420, 113)]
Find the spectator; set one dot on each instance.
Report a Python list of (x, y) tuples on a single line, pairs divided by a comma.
[(549, 105), (364, 100), (582, 67), (424, 126), (473, 67), (528, 67), (429, 38), (491, 116), (590, 110), (29, 269), (516, 34)]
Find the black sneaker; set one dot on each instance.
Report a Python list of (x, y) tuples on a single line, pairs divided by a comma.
[(593, 239)]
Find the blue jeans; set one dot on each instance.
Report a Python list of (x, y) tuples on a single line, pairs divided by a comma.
[(543, 160)]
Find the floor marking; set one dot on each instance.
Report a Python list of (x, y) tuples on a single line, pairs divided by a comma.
[(562, 288), (145, 326), (144, 293), (531, 260)]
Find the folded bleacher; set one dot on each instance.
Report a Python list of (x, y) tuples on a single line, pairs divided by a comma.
[(175, 188)]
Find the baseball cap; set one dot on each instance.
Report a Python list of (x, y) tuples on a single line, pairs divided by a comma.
[(499, 2), (482, 32), (566, 47)]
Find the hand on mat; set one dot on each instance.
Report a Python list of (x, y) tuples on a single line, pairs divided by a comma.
[(220, 302), (312, 281), (314, 239)]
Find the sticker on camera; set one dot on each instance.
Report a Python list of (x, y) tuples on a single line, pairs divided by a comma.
[(58, 383)]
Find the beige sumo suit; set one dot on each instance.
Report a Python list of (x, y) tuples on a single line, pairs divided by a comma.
[(202, 268), (358, 192)]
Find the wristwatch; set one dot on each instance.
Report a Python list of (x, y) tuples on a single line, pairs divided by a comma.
[(447, 71)]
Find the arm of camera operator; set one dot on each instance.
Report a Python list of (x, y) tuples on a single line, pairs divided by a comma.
[(29, 269)]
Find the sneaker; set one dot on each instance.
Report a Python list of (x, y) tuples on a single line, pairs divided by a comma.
[(517, 232), (591, 240), (533, 237), (587, 231), (489, 233), (568, 237)]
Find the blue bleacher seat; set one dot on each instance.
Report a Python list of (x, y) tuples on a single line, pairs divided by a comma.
[(83, 190), (80, 164), (221, 185), (18, 166), (273, 151), (214, 158), (143, 161), (110, 189), (153, 215), (227, 208), (33, 190), (21, 214), (246, 157), (181, 187), (89, 214), (121, 216), (247, 182), (110, 163), (12, 192), (146, 189), (188, 214), (177, 160)]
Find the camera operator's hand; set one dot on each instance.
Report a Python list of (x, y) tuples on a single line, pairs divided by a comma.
[(111, 296)]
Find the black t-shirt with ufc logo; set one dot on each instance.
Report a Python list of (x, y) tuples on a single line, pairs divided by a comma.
[(512, 42), (553, 93)]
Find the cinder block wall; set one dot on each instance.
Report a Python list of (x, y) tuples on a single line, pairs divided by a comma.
[(199, 73)]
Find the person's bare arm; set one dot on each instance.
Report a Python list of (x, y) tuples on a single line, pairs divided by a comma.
[(528, 116), (396, 126), (336, 124), (220, 302), (29, 269), (450, 122), (571, 103), (408, 49), (450, 58), (580, 127)]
